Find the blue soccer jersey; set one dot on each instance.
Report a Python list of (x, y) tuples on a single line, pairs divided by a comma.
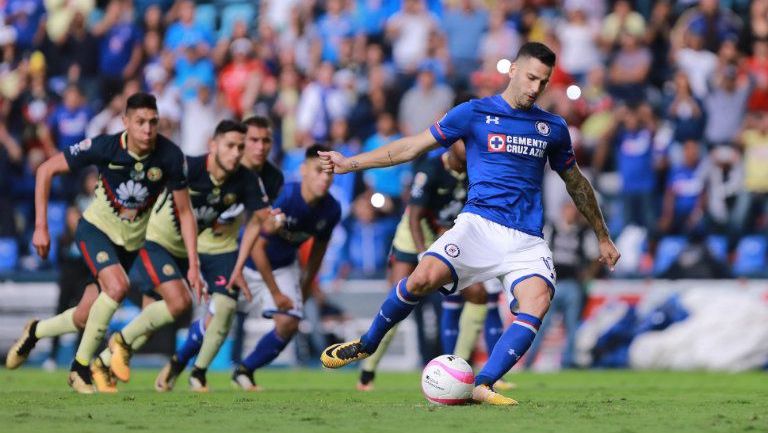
[(301, 222), (507, 150)]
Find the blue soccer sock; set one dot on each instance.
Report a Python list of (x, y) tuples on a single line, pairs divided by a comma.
[(513, 344), (194, 342), (493, 326), (265, 351), (396, 307), (449, 322)]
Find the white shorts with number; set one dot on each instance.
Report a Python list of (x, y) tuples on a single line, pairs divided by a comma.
[(287, 279), (477, 249)]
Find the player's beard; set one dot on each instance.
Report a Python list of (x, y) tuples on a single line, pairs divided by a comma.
[(221, 165)]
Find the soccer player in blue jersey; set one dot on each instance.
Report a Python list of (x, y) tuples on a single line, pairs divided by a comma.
[(135, 167), (508, 142), (278, 284)]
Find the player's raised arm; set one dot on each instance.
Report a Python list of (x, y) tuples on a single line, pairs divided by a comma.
[(583, 196), (55, 165), (189, 234), (393, 153)]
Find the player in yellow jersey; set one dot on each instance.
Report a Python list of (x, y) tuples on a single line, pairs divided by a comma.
[(135, 167)]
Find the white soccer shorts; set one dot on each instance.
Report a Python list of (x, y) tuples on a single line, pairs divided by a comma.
[(287, 279), (477, 249)]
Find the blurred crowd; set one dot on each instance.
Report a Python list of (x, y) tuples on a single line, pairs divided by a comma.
[(667, 102)]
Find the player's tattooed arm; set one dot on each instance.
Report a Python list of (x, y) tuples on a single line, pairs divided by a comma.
[(583, 196)]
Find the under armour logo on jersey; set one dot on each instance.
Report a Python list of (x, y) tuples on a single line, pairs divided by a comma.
[(491, 119)]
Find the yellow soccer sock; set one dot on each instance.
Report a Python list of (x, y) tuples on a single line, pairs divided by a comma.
[(470, 325), (95, 328), (217, 330), (152, 317), (59, 324), (372, 362)]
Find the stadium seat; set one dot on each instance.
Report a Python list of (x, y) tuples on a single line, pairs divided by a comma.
[(667, 252), (718, 246), (750, 256), (245, 12), (205, 15), (9, 254), (57, 218)]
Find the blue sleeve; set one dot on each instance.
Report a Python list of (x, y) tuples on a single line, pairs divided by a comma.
[(96, 151), (453, 126), (561, 155)]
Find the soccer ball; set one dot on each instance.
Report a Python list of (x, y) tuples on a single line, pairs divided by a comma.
[(447, 380)]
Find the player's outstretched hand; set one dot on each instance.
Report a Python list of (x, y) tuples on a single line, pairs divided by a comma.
[(333, 162), (282, 302), (196, 282), (609, 254), (41, 240), (237, 279)]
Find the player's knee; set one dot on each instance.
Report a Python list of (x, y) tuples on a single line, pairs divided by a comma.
[(536, 304), (420, 283), (178, 305), (287, 328), (116, 289)]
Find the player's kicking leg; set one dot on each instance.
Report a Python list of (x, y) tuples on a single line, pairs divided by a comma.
[(66, 322), (430, 274)]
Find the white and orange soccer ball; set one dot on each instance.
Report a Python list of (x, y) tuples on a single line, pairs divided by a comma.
[(447, 380)]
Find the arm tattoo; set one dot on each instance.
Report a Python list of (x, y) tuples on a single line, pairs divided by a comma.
[(389, 154), (583, 196), (354, 164)]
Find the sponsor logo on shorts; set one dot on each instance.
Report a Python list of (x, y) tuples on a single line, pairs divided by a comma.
[(452, 250), (102, 257), (221, 281), (154, 174), (167, 270)]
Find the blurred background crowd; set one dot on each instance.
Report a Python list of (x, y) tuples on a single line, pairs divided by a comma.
[(667, 103)]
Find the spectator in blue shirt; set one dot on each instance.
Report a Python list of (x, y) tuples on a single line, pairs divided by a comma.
[(464, 27), (187, 33), (332, 29), (120, 46), (193, 71), (25, 16), (683, 207), (70, 119)]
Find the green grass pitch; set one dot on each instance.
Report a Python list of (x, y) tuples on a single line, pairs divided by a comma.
[(325, 401)]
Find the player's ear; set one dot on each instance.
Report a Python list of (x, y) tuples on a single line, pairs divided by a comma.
[(303, 169), (512, 69)]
